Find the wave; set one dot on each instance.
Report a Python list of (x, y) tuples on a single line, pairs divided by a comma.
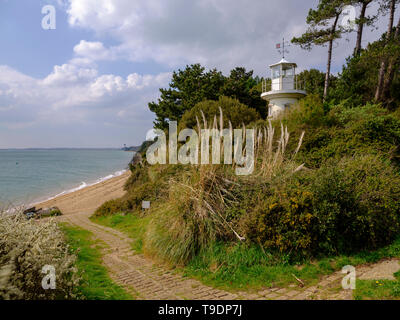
[(83, 185)]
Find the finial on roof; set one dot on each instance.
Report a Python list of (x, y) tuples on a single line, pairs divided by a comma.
[(282, 47)]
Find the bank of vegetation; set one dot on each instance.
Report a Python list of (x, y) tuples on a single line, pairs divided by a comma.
[(326, 185)]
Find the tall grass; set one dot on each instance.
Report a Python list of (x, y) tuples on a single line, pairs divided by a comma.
[(271, 159), (196, 213)]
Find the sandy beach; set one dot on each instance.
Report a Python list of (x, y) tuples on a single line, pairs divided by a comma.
[(88, 199)]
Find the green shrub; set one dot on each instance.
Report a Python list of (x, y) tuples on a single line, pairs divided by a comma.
[(309, 111), (282, 219), (111, 207), (147, 183), (357, 203), (340, 208), (55, 212), (363, 130), (232, 109)]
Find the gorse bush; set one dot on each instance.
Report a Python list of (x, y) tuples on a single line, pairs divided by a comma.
[(112, 207), (340, 208), (357, 203), (363, 130), (25, 248)]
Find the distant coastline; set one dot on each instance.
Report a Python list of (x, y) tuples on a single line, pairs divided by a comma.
[(131, 149)]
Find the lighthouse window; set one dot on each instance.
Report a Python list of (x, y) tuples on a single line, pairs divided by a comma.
[(276, 72), (289, 72)]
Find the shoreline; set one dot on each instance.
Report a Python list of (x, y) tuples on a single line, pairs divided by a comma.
[(89, 198), (82, 186)]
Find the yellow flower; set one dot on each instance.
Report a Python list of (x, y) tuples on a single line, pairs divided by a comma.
[(273, 206)]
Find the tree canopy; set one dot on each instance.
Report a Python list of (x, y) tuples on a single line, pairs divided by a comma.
[(323, 29), (187, 88), (194, 84)]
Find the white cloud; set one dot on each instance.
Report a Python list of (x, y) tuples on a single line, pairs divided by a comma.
[(216, 33), (77, 96), (93, 51), (69, 74)]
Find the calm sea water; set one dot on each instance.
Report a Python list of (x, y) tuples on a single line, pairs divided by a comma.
[(28, 176)]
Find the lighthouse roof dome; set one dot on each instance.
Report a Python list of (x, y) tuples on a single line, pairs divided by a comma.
[(283, 62)]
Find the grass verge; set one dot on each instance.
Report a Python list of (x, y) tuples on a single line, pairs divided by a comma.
[(234, 266), (378, 290), (95, 284), (243, 267)]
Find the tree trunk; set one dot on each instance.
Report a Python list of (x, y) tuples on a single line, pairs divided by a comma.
[(361, 23), (328, 67), (381, 75), (391, 67)]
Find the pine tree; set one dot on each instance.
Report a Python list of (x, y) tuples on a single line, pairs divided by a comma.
[(323, 29), (187, 88)]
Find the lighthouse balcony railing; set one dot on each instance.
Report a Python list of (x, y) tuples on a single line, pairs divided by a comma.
[(283, 84)]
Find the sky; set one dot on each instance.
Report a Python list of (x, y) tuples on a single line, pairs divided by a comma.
[(87, 82)]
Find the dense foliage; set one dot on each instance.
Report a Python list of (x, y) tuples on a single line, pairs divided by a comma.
[(234, 111), (192, 85), (346, 132), (358, 79), (342, 207)]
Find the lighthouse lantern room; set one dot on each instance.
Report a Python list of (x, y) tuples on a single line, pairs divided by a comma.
[(285, 88)]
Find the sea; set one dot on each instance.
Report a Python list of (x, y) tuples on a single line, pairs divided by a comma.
[(33, 175)]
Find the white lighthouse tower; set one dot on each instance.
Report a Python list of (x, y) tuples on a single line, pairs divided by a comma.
[(285, 89)]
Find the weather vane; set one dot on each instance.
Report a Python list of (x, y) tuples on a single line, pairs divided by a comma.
[(281, 47)]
